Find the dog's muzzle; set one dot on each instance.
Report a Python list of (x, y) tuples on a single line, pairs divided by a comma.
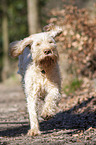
[(47, 51)]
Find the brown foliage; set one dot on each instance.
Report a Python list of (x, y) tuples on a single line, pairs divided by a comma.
[(78, 37)]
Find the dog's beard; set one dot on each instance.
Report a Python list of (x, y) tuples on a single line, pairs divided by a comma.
[(48, 61)]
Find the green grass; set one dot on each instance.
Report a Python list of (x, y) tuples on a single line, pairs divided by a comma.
[(72, 86)]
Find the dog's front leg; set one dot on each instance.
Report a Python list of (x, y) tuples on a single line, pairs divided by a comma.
[(34, 125), (51, 100)]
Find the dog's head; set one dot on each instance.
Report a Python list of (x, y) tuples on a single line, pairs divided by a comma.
[(42, 45)]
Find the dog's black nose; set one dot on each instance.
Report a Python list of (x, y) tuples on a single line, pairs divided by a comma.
[(47, 51)]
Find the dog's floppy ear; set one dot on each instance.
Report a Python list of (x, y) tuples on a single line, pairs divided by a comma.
[(53, 30), (16, 48)]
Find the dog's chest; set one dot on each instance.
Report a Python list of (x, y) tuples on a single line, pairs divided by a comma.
[(36, 76), (40, 79)]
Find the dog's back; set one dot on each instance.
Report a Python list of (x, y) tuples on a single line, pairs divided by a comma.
[(24, 60)]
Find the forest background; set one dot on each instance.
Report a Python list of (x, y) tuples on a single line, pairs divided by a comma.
[(77, 43), (75, 121)]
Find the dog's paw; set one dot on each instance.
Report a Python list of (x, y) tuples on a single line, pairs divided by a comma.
[(46, 117), (33, 132), (47, 114)]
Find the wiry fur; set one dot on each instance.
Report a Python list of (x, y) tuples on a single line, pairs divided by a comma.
[(38, 66)]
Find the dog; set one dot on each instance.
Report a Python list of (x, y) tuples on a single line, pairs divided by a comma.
[(38, 66)]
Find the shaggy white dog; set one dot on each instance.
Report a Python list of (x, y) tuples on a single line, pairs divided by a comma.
[(38, 66)]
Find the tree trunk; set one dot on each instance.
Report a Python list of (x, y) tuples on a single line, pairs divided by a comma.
[(33, 16), (6, 68)]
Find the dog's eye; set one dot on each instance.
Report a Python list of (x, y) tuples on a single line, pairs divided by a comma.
[(38, 44), (50, 41)]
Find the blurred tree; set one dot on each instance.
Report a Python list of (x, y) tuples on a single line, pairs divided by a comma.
[(33, 16), (17, 19), (6, 64), (15, 25)]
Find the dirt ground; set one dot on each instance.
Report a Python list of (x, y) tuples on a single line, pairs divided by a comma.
[(75, 124)]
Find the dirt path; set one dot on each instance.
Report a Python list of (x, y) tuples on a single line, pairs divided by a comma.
[(75, 125)]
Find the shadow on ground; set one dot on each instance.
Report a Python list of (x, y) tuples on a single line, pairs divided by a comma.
[(63, 120)]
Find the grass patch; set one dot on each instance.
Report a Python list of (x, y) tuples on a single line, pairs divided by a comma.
[(72, 86)]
